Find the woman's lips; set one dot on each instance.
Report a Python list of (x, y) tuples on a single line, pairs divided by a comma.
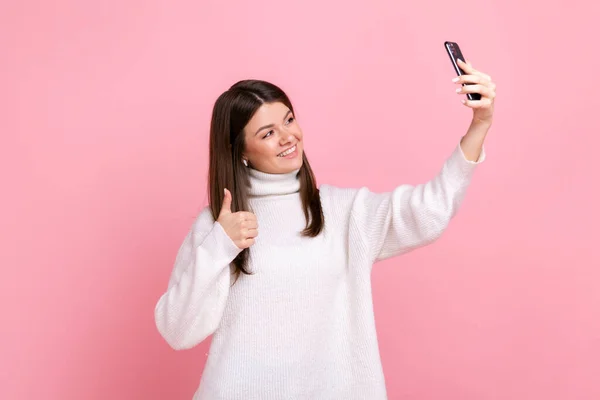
[(289, 153)]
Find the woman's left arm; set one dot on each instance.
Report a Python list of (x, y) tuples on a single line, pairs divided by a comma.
[(483, 110), (409, 217)]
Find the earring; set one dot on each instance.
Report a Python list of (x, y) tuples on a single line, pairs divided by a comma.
[(245, 162)]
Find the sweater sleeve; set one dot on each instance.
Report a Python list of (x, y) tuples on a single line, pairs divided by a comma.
[(191, 308), (389, 224)]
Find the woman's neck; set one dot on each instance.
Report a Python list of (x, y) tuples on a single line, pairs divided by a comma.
[(266, 184)]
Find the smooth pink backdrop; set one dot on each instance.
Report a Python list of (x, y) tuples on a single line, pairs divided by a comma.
[(104, 120)]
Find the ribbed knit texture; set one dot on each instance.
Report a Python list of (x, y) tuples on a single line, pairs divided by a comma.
[(302, 326)]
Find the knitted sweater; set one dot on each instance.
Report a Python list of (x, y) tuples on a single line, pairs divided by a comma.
[(302, 326)]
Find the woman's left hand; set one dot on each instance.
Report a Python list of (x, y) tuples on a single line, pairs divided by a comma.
[(483, 110)]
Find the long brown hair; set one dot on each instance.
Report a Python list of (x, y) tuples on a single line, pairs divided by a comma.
[(231, 112)]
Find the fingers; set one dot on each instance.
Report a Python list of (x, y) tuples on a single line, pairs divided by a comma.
[(246, 216), (483, 103), (248, 228), (249, 224), (246, 243), (247, 238), (251, 233), (475, 81), (226, 207), (465, 66), (241, 227), (469, 70), (481, 89), (479, 79)]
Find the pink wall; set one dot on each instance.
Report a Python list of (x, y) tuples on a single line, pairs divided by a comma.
[(105, 111)]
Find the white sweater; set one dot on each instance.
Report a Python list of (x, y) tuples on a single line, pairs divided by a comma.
[(302, 327)]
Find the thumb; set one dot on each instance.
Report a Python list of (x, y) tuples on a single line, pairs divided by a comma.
[(226, 208)]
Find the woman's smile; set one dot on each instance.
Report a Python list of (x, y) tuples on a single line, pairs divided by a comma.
[(289, 153)]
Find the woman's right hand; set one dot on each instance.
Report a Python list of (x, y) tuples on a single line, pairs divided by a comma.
[(241, 226)]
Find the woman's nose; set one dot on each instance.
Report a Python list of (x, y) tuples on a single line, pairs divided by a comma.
[(285, 137)]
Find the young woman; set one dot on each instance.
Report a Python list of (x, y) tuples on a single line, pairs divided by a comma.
[(278, 270)]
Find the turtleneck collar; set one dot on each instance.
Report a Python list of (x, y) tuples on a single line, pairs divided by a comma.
[(265, 184)]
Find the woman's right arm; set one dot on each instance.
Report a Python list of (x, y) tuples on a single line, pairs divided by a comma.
[(191, 308)]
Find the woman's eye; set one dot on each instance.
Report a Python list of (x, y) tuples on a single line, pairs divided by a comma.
[(290, 120), (268, 134)]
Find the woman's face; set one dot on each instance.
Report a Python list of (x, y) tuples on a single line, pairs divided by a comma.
[(273, 140)]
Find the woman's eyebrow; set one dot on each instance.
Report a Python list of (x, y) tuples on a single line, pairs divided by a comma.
[(272, 125)]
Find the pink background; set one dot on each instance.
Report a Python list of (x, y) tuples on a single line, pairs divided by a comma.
[(104, 119)]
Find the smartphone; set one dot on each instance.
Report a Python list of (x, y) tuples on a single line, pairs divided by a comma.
[(454, 52)]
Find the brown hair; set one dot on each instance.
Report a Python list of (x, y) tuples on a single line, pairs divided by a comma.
[(231, 112)]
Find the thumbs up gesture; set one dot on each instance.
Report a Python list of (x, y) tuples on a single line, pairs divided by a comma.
[(241, 227)]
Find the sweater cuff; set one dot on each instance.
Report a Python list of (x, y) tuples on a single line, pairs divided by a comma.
[(220, 245), (459, 169)]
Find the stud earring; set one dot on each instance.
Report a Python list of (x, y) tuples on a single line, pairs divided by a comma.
[(245, 162)]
